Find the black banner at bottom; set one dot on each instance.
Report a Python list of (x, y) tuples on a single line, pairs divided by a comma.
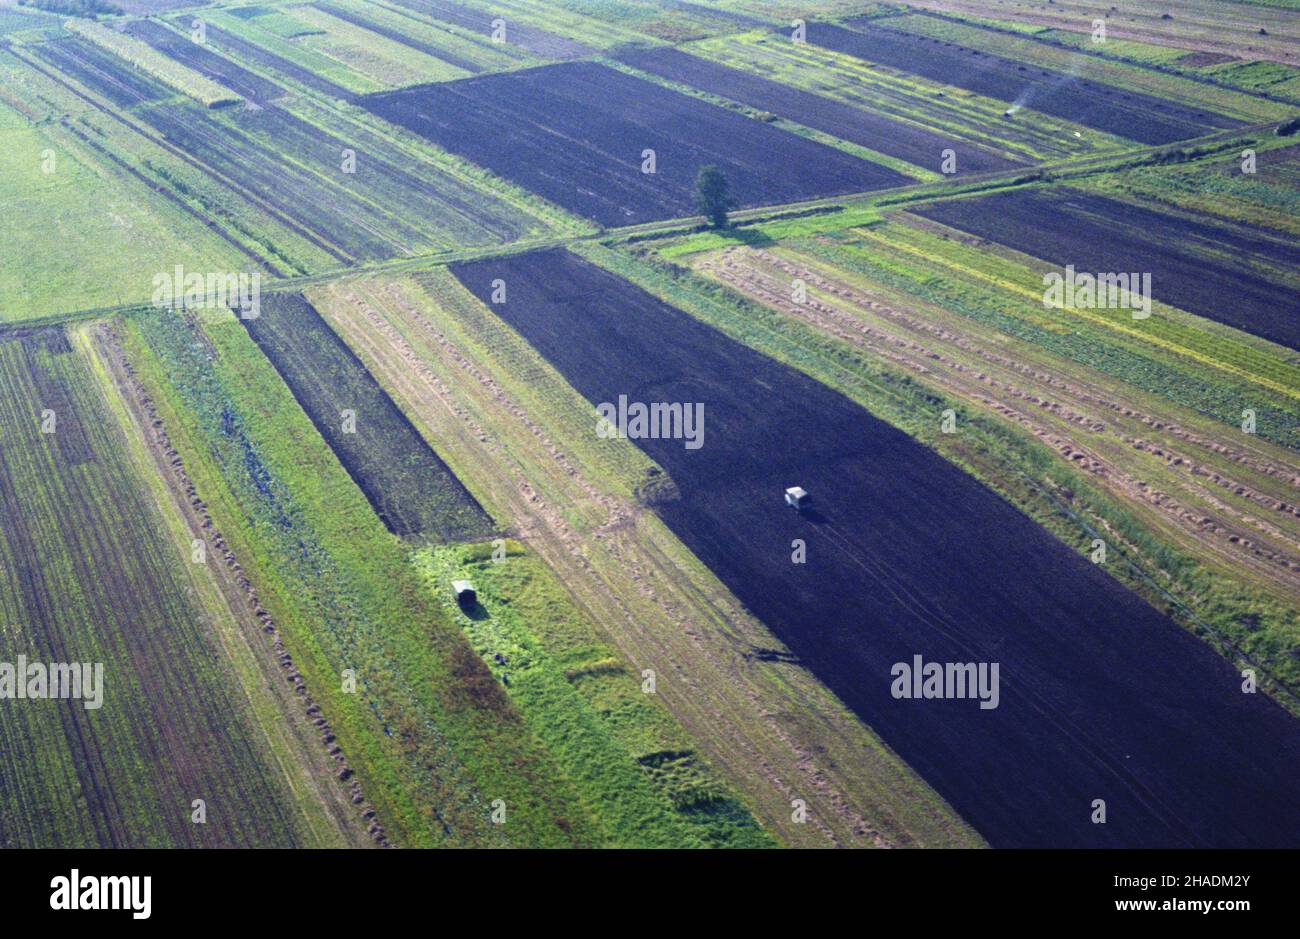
[(337, 889)]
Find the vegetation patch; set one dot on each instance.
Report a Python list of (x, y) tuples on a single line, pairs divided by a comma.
[(424, 724), (587, 704), (92, 572)]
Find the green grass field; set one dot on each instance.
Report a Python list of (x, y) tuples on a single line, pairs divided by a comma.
[(635, 768), (83, 235)]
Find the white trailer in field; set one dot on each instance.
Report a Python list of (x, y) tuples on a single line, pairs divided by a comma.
[(796, 497)]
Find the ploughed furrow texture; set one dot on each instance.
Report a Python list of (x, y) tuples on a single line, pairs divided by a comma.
[(206, 62), (245, 51), (580, 135), (1100, 696)]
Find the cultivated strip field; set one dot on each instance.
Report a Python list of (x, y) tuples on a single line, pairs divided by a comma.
[(1258, 30), (1187, 77), (409, 486), (521, 439), (185, 50), (313, 314), (59, 219), (1267, 200), (1229, 274), (1193, 517), (1102, 697), (244, 51), (535, 41), (961, 116), (916, 146), (1073, 97), (416, 725), (578, 134), (92, 571), (390, 202)]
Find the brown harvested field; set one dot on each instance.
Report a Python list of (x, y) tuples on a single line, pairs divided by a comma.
[(1199, 25), (1235, 505), (520, 439)]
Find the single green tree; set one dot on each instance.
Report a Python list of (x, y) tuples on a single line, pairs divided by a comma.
[(713, 196)]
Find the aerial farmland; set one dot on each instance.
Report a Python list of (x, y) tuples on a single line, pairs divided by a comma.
[(671, 424)]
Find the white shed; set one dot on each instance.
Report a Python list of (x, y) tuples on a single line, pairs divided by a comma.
[(465, 594), (797, 497)]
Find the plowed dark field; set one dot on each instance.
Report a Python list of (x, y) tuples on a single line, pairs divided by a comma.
[(184, 50), (575, 134), (1203, 267), (894, 138), (1128, 114), (410, 487), (1102, 697)]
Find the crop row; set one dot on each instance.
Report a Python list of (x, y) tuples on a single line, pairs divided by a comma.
[(1227, 273), (391, 63), (105, 188), (1115, 61), (522, 440), (1067, 94), (427, 727), (519, 31), (898, 539), (1003, 293), (919, 147), (956, 114), (364, 196), (1206, 508), (90, 574), (1266, 199), (194, 55)]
